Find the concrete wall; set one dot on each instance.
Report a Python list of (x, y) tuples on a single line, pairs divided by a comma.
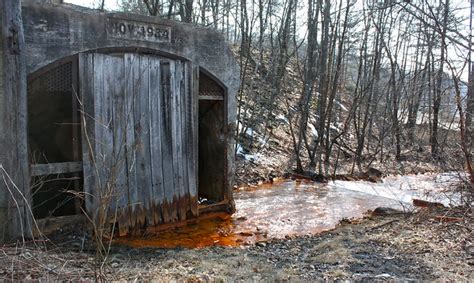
[(14, 173)]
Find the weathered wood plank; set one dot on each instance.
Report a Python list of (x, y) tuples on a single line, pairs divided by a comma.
[(86, 81), (131, 67), (176, 76), (191, 139), (194, 108), (169, 213), (56, 168), (185, 153), (118, 170), (184, 137), (155, 139), (97, 137), (210, 97), (108, 176), (142, 128)]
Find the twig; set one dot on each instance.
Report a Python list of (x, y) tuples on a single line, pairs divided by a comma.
[(462, 226), (384, 224)]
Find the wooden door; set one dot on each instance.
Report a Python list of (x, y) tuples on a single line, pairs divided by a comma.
[(139, 139)]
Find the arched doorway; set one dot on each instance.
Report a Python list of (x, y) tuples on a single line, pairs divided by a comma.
[(212, 140)]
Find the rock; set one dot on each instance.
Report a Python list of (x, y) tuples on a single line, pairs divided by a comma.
[(385, 211), (319, 178), (373, 175), (374, 172), (287, 175)]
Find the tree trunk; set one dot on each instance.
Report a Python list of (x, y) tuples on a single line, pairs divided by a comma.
[(439, 81)]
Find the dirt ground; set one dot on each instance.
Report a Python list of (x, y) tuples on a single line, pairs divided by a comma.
[(396, 247)]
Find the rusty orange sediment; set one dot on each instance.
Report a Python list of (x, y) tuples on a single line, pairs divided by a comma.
[(216, 228)]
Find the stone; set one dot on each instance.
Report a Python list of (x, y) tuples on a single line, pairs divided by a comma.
[(385, 211)]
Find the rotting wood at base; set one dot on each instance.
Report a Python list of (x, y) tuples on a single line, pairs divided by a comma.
[(143, 221)]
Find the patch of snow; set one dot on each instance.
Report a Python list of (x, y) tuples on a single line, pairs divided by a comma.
[(249, 132), (430, 187), (333, 127), (240, 149), (247, 156), (262, 141), (344, 108), (282, 117), (313, 130), (252, 157)]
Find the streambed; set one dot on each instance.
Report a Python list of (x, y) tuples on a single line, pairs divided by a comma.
[(292, 208)]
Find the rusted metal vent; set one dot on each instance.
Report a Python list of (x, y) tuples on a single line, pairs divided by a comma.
[(58, 79), (208, 87)]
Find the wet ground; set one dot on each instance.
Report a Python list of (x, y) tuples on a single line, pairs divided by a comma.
[(402, 247), (291, 208)]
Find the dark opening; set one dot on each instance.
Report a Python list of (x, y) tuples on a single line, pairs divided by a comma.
[(55, 195), (212, 141), (54, 138)]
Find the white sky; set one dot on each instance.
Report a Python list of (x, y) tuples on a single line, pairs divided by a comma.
[(109, 4)]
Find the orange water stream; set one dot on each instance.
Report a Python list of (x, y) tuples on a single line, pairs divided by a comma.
[(280, 210)]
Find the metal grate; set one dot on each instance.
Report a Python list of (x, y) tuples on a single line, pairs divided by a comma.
[(208, 87), (58, 79)]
